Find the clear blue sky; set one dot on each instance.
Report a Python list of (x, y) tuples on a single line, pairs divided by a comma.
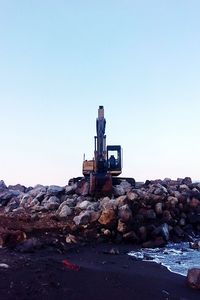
[(60, 60)]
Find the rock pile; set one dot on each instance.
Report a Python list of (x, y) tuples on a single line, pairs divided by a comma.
[(151, 214)]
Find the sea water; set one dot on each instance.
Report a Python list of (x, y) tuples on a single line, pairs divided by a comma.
[(178, 258)]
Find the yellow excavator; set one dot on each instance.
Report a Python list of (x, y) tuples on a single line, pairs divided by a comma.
[(101, 172)]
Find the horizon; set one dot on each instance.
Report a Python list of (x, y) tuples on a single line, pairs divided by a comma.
[(61, 60)]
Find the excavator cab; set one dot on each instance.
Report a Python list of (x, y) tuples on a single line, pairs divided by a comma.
[(114, 160)]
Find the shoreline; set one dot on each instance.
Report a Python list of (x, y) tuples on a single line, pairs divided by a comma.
[(88, 271)]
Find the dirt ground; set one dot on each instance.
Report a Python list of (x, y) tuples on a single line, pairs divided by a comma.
[(41, 265)]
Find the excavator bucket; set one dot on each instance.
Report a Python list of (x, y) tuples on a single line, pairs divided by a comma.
[(100, 185)]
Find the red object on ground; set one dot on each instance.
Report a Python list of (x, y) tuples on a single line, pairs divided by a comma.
[(70, 265)]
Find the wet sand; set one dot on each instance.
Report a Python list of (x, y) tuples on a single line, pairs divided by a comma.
[(81, 272)]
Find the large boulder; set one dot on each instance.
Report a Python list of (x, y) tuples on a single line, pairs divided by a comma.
[(193, 278), (122, 227), (83, 205), (187, 180), (65, 212), (17, 187), (118, 190), (25, 200), (5, 197), (172, 201), (121, 200), (70, 189), (52, 203), (55, 190), (108, 217), (68, 203), (83, 218), (183, 188), (107, 203), (162, 230), (13, 204), (125, 213), (132, 196), (126, 186), (160, 190), (37, 190)]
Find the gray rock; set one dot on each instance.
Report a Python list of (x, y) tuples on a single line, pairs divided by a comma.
[(83, 205), (160, 190), (65, 211), (121, 200), (162, 230), (55, 190), (52, 203), (41, 195), (125, 213), (187, 181), (15, 193), (132, 196), (5, 196), (82, 219), (126, 186), (118, 190), (71, 202), (34, 202), (37, 190), (183, 188), (17, 187), (104, 201), (172, 200), (167, 180), (13, 204), (93, 206), (70, 189), (19, 210), (25, 200)]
